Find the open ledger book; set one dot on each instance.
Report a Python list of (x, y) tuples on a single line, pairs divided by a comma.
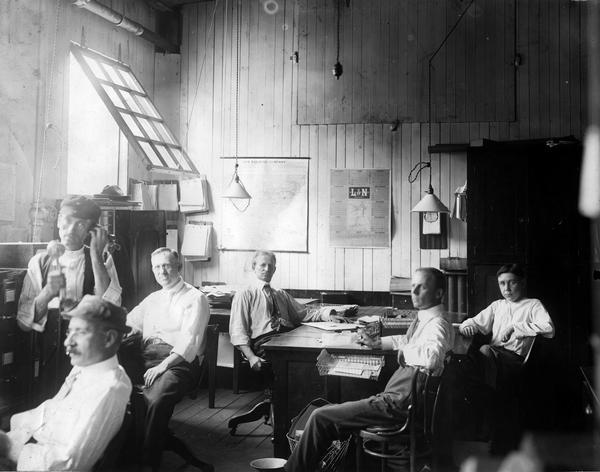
[(350, 365)]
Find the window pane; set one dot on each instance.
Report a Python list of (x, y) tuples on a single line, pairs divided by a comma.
[(96, 69), (151, 154), (131, 102), (113, 74), (164, 152), (135, 129), (164, 133), (181, 159), (114, 96), (149, 129), (148, 107), (131, 81)]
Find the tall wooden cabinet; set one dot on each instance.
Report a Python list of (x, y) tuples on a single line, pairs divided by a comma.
[(523, 208), (138, 233)]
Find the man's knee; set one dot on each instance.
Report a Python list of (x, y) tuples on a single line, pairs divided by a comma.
[(487, 351)]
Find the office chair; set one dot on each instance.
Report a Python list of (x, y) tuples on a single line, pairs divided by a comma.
[(262, 409), (113, 456), (173, 443), (415, 437)]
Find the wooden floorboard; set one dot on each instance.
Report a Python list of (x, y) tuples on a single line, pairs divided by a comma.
[(205, 432)]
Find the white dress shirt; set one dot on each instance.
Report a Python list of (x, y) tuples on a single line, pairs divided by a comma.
[(72, 431), (251, 317), (72, 264), (178, 315), (429, 343), (527, 316)]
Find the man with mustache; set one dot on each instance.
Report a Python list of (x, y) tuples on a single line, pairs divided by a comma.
[(71, 430)]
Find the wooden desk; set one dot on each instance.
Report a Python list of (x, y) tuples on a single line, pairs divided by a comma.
[(293, 356)]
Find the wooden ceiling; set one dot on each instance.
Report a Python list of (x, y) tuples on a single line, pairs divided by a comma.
[(170, 5)]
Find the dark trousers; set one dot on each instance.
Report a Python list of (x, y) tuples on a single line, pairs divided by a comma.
[(331, 422), (162, 396), (500, 366)]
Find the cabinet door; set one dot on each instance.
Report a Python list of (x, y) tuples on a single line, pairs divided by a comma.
[(497, 208), (148, 231)]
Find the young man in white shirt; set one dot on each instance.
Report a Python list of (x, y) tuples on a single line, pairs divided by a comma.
[(72, 430), (514, 322), (424, 346)]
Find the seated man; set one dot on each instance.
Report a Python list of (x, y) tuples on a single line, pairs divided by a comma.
[(172, 323), (84, 272), (260, 311), (424, 346), (513, 321), (71, 430)]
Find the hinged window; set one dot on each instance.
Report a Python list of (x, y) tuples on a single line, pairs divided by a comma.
[(133, 111)]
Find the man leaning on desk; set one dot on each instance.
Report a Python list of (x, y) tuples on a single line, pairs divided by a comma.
[(260, 311), (424, 346)]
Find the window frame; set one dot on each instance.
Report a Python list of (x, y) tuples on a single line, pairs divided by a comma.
[(168, 154)]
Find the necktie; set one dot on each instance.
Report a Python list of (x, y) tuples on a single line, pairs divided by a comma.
[(67, 385), (272, 306)]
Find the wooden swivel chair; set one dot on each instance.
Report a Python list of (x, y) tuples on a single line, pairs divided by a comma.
[(412, 439), (262, 409), (174, 443)]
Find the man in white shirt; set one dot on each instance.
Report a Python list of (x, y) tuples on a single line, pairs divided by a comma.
[(260, 311), (83, 271), (172, 323), (514, 322), (424, 346), (72, 430)]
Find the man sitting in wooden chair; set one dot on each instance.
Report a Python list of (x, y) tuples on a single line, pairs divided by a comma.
[(172, 323), (424, 346), (513, 322)]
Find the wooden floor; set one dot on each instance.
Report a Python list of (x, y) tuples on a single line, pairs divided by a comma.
[(205, 432)]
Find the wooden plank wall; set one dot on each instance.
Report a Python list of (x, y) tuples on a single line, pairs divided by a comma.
[(34, 89), (385, 56), (550, 101)]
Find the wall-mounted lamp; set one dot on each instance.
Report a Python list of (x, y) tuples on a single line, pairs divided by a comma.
[(430, 205)]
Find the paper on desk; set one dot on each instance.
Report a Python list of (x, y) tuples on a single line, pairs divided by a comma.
[(331, 326), (369, 319)]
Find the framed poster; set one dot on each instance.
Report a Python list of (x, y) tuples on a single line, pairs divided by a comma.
[(277, 216), (360, 208)]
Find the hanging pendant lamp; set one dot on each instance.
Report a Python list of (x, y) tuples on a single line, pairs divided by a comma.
[(236, 192)]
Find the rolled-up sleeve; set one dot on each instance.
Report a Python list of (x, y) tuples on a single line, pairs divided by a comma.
[(483, 321), (538, 322), (431, 347), (191, 337), (239, 322), (114, 290), (32, 286)]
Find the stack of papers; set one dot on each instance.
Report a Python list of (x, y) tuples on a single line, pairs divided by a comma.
[(196, 241), (194, 195), (220, 295), (145, 194)]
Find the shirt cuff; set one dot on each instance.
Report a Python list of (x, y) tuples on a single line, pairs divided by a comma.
[(387, 343)]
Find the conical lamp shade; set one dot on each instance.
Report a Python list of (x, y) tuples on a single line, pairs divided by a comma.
[(236, 190), (430, 204)]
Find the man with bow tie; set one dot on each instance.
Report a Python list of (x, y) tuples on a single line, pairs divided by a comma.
[(71, 430), (424, 346), (260, 311)]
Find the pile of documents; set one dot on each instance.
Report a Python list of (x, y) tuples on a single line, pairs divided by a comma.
[(350, 365), (194, 195)]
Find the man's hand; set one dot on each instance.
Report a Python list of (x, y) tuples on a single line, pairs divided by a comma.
[(153, 373), (55, 282), (256, 362), (337, 318), (507, 334), (373, 342), (99, 240), (467, 330)]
